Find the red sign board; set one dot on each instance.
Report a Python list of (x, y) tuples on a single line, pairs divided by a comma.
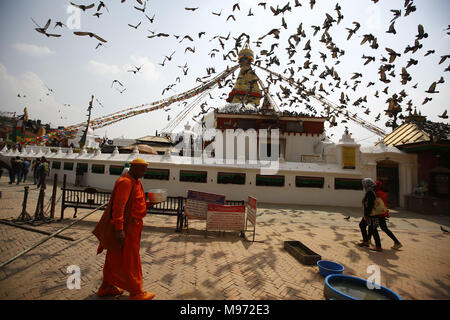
[(220, 217), (197, 203)]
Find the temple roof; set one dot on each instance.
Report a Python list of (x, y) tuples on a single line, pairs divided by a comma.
[(418, 131)]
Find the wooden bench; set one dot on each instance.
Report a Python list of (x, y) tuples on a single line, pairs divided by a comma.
[(173, 206), (89, 198)]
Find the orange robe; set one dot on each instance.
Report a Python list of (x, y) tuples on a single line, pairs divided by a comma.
[(123, 268)]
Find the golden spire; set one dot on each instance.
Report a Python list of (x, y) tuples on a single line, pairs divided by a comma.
[(246, 89)]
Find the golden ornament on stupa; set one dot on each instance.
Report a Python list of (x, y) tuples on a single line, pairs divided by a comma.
[(246, 89)]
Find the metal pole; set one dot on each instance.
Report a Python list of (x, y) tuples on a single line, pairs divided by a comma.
[(32, 229), (49, 237), (24, 215), (55, 187), (39, 213), (63, 205)]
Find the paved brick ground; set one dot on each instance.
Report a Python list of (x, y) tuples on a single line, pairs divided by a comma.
[(223, 265)]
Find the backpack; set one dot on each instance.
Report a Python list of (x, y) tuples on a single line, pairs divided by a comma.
[(45, 167), (379, 208)]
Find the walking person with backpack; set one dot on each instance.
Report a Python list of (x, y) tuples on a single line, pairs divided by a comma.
[(372, 222), (384, 216)]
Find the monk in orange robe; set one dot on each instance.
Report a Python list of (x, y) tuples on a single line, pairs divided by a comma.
[(122, 269)]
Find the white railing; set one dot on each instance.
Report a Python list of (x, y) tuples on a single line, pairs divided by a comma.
[(311, 158)]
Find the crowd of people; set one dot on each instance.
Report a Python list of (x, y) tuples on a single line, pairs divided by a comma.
[(20, 168)]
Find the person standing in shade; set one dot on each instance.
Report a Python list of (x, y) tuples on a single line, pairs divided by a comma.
[(122, 269), (26, 169), (43, 170), (19, 169), (34, 169), (4, 165), (12, 171), (367, 221)]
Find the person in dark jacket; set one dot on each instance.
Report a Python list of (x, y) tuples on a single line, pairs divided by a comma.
[(43, 170), (26, 169), (4, 165), (368, 221), (19, 169), (34, 168), (14, 170)]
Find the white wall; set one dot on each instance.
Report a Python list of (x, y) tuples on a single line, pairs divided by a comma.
[(298, 145), (288, 194)]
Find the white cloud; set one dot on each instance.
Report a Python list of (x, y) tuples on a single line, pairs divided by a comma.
[(148, 73), (32, 50), (100, 68), (28, 84)]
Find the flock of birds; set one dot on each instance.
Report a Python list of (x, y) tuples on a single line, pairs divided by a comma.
[(298, 93)]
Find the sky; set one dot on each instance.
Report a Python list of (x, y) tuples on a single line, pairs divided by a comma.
[(74, 69)]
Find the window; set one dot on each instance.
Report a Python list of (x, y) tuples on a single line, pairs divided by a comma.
[(68, 166), (270, 181), (56, 165), (294, 126), (246, 124), (115, 170), (309, 182), (348, 158), (98, 168), (193, 176), (347, 184), (230, 178), (83, 166), (157, 174)]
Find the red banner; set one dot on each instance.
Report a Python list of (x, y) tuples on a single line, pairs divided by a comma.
[(221, 218)]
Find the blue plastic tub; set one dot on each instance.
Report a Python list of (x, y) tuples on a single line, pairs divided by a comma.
[(345, 287), (327, 267)]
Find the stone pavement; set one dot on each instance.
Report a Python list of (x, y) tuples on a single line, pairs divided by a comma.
[(223, 266)]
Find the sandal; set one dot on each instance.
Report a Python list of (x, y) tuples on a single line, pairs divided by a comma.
[(363, 244)]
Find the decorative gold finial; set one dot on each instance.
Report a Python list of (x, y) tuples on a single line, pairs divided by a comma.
[(246, 52)]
